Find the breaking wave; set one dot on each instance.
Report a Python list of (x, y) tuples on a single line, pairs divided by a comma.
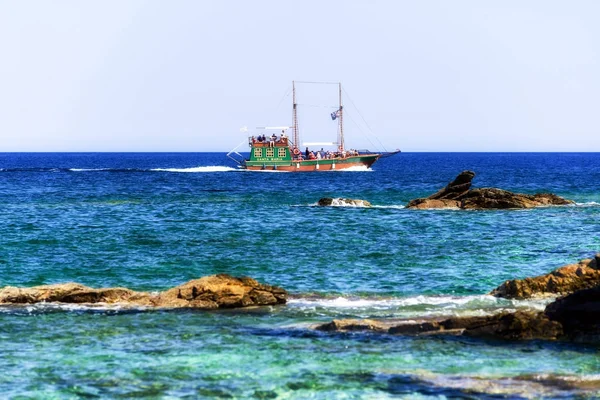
[(587, 204), (45, 308), (413, 307)]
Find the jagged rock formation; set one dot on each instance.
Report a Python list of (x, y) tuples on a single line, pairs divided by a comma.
[(458, 194), (216, 291), (341, 202), (455, 189), (564, 280)]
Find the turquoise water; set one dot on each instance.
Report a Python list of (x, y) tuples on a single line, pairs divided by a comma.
[(152, 221)]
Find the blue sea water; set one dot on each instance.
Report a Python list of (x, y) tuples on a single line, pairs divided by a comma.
[(150, 221)]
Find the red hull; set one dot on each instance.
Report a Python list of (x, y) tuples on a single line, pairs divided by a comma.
[(317, 166)]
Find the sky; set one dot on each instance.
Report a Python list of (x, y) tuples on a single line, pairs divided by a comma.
[(455, 76)]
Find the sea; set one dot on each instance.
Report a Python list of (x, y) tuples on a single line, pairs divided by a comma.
[(151, 221)]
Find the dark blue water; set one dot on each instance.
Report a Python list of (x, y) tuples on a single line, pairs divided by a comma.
[(149, 221)]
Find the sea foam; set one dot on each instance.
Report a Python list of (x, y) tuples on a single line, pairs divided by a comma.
[(416, 306), (213, 168)]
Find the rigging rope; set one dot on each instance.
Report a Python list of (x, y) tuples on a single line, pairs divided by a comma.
[(357, 110), (287, 93)]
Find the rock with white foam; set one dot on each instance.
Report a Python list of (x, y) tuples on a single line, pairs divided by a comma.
[(561, 281), (216, 291), (459, 195), (342, 202)]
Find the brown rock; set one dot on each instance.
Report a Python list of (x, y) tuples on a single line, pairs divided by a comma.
[(217, 291), (519, 325), (455, 189), (579, 314), (345, 325), (459, 195), (417, 328), (491, 198), (563, 280), (424, 204)]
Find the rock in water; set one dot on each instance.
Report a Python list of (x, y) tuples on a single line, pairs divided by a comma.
[(217, 291), (579, 314), (455, 189), (503, 199), (564, 280), (345, 325), (458, 194), (519, 325), (426, 204), (341, 202), (221, 291)]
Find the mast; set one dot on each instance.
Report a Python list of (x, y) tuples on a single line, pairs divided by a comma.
[(295, 116), (341, 123)]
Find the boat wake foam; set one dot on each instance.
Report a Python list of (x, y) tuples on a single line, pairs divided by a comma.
[(214, 168), (359, 168)]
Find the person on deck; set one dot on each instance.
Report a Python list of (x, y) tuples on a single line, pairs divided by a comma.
[(306, 153)]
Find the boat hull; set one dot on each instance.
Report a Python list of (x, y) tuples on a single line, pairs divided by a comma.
[(335, 164)]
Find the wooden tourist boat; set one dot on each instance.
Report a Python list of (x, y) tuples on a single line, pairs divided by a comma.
[(278, 152)]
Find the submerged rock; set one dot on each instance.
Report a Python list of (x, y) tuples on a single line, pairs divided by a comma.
[(564, 280), (519, 325), (458, 194), (341, 202), (345, 325), (216, 291)]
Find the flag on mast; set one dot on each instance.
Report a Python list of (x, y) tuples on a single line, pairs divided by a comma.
[(335, 114)]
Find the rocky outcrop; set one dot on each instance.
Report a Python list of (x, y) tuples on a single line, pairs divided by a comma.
[(455, 189), (574, 317), (216, 291), (503, 199), (579, 314), (348, 325), (564, 280), (519, 325), (426, 204), (222, 291), (341, 202), (458, 194)]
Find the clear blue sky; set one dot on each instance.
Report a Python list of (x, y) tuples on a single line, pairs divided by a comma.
[(186, 75)]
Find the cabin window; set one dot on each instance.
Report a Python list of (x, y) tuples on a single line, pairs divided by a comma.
[(281, 152), (257, 152), (270, 152)]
